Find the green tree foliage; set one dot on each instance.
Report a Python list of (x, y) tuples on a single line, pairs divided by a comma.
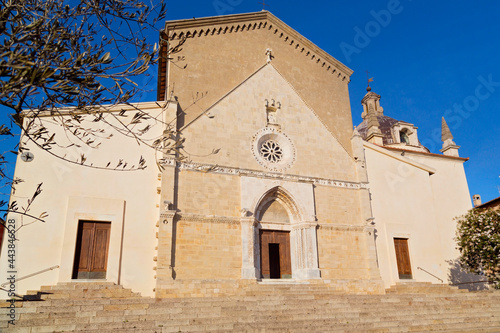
[(478, 239)]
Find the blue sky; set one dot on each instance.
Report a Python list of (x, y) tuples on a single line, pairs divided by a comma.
[(429, 59)]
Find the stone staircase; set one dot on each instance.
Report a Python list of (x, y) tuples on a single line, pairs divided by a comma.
[(105, 307), (423, 288)]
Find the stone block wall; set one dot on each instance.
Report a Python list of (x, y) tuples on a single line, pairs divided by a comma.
[(208, 249)]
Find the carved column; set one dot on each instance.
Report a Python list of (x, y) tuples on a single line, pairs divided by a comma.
[(306, 251), (248, 243)]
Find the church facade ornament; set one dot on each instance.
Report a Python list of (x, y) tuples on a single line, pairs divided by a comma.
[(211, 168), (269, 54), (272, 108), (273, 149)]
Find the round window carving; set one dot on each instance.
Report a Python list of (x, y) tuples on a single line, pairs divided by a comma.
[(273, 150)]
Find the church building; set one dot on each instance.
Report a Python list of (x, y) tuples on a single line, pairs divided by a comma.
[(272, 184)]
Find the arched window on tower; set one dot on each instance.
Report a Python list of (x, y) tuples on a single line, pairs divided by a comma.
[(403, 137)]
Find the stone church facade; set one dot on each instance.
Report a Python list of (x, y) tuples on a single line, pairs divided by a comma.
[(284, 196), (274, 186)]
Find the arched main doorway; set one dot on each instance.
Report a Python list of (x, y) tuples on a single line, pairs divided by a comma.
[(275, 258), (278, 231), (285, 243)]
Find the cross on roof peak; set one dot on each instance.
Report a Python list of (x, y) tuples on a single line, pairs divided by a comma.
[(264, 4)]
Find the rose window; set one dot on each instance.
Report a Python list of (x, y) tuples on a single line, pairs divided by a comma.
[(271, 151)]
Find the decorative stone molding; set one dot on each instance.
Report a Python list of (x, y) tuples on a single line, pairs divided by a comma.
[(304, 240), (370, 230), (208, 218), (245, 212), (370, 221), (274, 226), (272, 107), (192, 166), (273, 149), (249, 220), (300, 225), (341, 227), (306, 225), (168, 216)]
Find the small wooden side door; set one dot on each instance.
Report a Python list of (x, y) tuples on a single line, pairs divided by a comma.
[(403, 258), (91, 255)]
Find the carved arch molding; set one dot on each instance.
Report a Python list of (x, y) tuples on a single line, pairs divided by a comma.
[(298, 200)]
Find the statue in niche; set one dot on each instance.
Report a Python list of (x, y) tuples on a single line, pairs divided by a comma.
[(271, 117), (271, 109)]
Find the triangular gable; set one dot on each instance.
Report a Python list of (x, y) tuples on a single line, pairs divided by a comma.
[(221, 52), (230, 123)]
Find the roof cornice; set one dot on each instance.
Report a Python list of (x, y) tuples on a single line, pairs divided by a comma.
[(104, 108), (236, 22), (398, 157), (464, 159), (213, 20)]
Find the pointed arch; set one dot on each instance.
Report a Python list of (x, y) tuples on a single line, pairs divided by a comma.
[(281, 196)]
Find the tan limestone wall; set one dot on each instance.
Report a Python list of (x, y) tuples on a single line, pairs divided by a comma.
[(209, 194), (207, 250), (337, 205), (343, 254)]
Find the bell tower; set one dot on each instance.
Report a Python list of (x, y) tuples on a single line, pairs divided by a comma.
[(371, 110)]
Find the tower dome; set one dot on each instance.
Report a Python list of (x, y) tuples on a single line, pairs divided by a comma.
[(386, 131)]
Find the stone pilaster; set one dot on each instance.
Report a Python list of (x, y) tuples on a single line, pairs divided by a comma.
[(371, 247), (306, 251), (248, 246)]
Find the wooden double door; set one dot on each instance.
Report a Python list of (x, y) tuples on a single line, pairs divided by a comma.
[(275, 254), (91, 254)]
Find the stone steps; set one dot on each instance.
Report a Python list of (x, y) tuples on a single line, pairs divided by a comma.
[(91, 290), (104, 307), (290, 305), (288, 326), (291, 308), (424, 288)]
